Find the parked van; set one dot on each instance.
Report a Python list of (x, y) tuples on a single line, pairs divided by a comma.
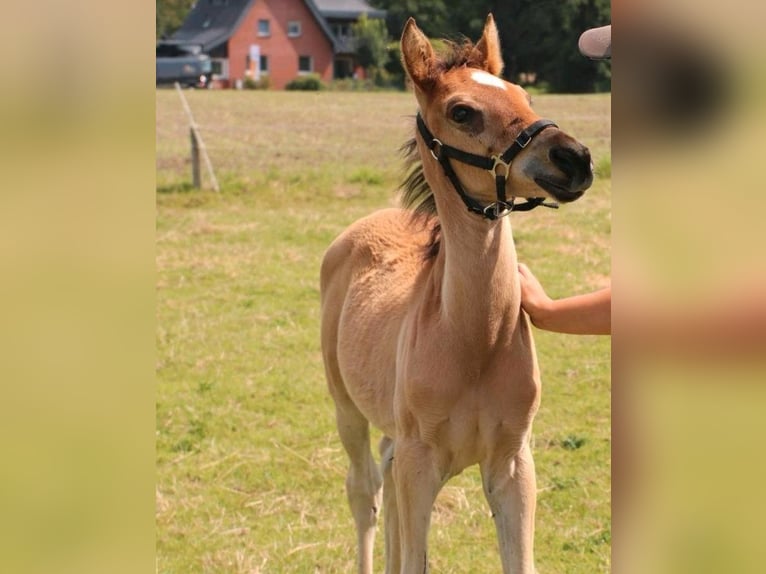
[(183, 63)]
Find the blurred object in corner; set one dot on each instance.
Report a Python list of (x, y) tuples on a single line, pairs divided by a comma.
[(596, 43), (671, 83)]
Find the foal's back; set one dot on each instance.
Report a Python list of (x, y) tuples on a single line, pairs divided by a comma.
[(370, 276)]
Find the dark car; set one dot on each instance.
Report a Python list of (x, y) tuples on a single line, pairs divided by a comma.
[(182, 63)]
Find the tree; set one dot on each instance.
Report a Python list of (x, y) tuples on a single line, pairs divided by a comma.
[(372, 41), (432, 15), (543, 39), (537, 36), (170, 15)]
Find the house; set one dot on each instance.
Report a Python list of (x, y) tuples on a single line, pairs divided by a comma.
[(278, 39)]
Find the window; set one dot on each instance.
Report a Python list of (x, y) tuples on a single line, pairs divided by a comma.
[(305, 64), (220, 68), (264, 64), (341, 30), (294, 28), (264, 28), (343, 67)]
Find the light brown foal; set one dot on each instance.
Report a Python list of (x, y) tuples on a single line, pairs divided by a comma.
[(422, 333)]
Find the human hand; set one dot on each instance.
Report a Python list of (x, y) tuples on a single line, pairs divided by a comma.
[(534, 299), (586, 314)]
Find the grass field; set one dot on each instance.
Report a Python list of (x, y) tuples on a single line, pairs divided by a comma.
[(250, 472)]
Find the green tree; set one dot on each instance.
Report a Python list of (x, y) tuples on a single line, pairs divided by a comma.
[(170, 14), (540, 36), (372, 42), (433, 16), (537, 36)]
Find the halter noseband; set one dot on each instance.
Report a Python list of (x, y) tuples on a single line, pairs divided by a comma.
[(499, 165)]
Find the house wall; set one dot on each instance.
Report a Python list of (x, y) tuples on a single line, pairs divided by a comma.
[(281, 50)]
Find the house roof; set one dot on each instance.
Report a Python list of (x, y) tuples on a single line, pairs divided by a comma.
[(210, 24), (347, 9), (323, 24)]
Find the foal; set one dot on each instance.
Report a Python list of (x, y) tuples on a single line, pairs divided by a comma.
[(422, 333)]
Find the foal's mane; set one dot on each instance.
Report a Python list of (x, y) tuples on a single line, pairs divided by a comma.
[(415, 193)]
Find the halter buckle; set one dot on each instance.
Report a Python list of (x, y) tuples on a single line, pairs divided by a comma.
[(434, 143), (498, 161), (498, 209), (524, 139)]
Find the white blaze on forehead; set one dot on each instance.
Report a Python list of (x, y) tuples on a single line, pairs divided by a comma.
[(488, 79)]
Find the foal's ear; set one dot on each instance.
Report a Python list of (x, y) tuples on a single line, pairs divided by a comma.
[(417, 55), (487, 49)]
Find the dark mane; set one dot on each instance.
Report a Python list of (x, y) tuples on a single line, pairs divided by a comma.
[(455, 55), (416, 194)]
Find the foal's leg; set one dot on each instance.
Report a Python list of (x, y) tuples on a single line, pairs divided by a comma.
[(418, 481), (509, 486), (363, 482), (390, 511)]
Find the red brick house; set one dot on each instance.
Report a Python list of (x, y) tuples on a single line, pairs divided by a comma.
[(280, 39)]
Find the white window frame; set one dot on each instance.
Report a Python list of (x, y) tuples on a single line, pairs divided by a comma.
[(341, 30), (224, 75), (267, 33), (295, 33), (311, 66)]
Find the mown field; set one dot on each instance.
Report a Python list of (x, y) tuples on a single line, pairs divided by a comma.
[(250, 473)]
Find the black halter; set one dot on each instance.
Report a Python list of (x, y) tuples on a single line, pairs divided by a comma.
[(500, 165)]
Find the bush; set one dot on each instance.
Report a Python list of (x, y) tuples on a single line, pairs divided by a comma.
[(262, 84), (310, 82), (539, 87)]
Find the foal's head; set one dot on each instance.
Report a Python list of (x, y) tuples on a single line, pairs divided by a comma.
[(466, 105)]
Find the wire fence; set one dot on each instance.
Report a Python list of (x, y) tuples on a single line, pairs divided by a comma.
[(256, 136)]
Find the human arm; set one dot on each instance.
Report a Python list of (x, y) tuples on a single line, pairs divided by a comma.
[(586, 314)]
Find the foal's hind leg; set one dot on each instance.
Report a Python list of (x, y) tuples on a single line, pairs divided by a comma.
[(509, 485), (363, 482), (390, 512)]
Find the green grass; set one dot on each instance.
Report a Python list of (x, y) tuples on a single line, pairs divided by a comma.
[(250, 473), (604, 166)]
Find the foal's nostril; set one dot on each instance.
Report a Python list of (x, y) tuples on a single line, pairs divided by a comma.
[(575, 163)]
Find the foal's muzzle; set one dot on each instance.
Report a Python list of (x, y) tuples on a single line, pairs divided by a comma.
[(574, 172)]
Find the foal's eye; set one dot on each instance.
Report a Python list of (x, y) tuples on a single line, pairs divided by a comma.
[(461, 114)]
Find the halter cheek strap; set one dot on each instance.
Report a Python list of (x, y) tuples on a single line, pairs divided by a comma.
[(499, 165)]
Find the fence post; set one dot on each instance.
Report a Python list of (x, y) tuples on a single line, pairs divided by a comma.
[(196, 179), (197, 147)]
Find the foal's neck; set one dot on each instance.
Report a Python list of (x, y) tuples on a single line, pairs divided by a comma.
[(480, 288)]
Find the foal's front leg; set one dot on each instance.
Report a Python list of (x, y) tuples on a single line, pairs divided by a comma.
[(418, 481), (509, 485), (390, 511), (363, 481)]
